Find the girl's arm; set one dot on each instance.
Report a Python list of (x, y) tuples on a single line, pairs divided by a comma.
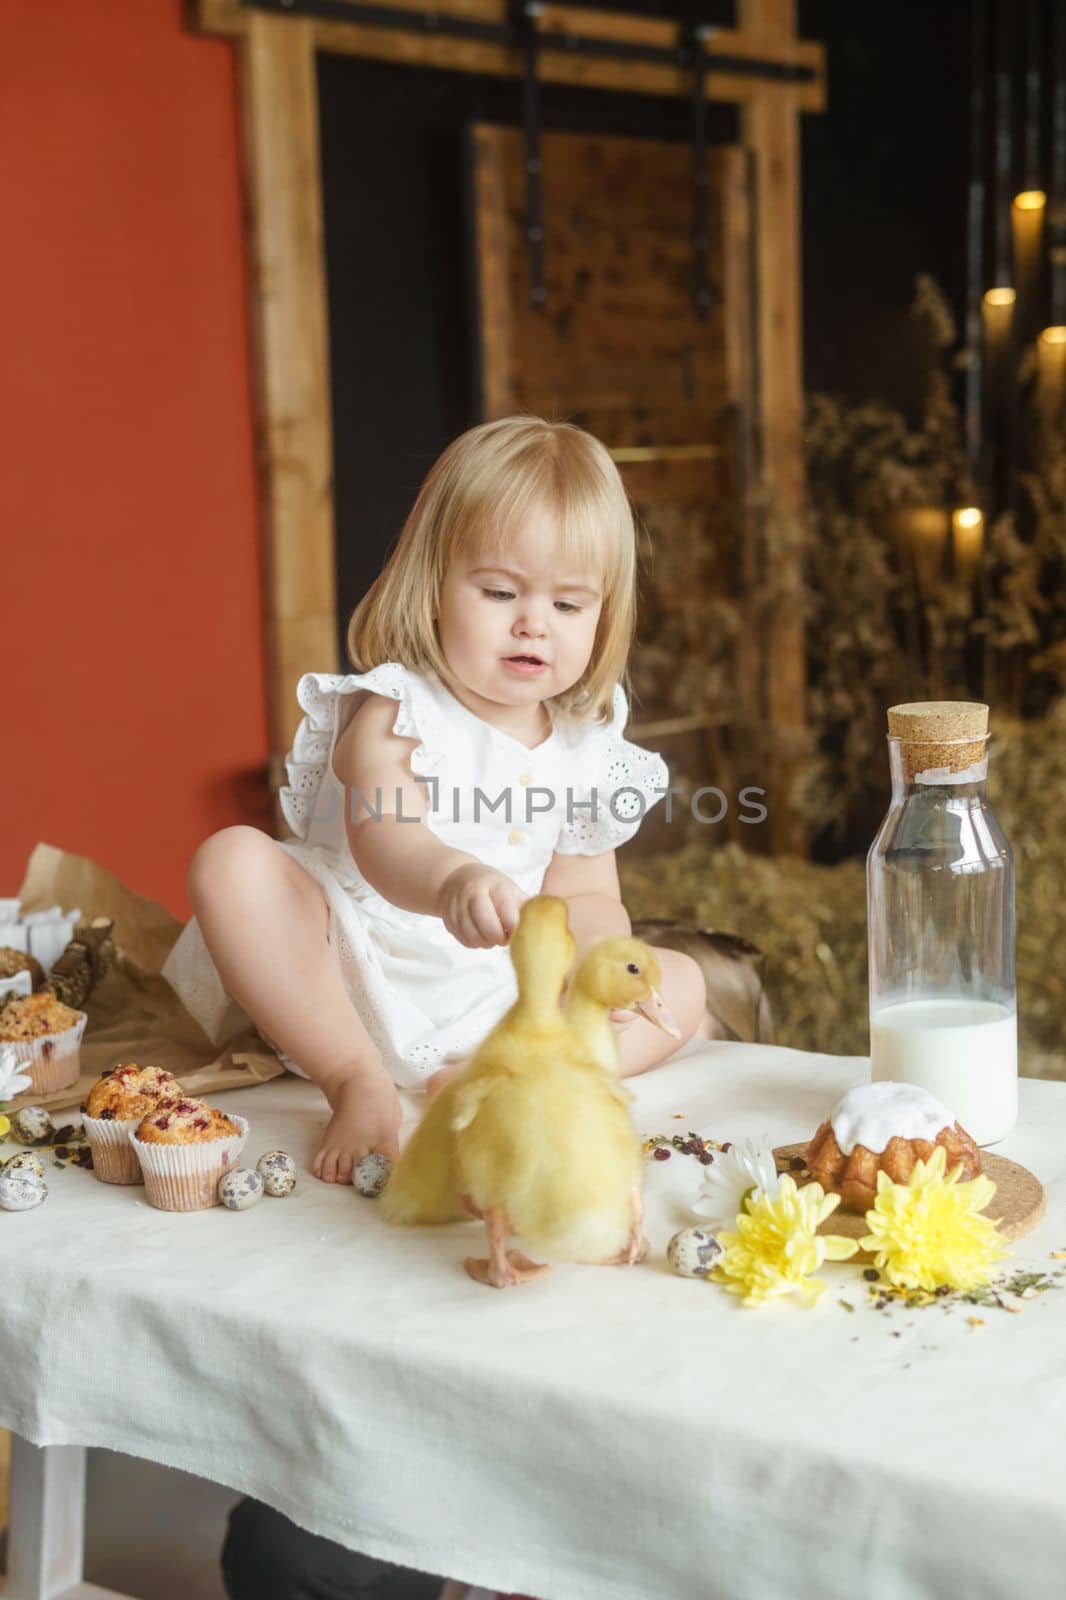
[(397, 853), (589, 885), (402, 859)]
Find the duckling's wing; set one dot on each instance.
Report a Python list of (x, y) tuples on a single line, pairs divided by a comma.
[(470, 1097), (617, 1090), (424, 1185)]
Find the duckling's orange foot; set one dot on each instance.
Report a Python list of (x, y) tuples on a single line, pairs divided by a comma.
[(513, 1270), (632, 1256)]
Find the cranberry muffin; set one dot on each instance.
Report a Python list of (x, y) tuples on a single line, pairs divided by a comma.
[(46, 1038), (116, 1103), (184, 1147), (178, 1120)]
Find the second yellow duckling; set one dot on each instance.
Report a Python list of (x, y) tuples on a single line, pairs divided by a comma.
[(624, 967)]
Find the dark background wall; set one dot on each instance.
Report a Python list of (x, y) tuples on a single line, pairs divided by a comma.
[(884, 185), (884, 177)]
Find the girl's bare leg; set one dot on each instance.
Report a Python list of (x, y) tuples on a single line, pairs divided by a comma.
[(640, 1043), (265, 922)]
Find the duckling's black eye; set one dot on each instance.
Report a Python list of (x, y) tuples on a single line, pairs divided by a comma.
[(631, 966)]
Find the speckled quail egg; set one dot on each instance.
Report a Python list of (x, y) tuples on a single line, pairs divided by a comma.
[(240, 1189), (371, 1174), (21, 1191), (278, 1172), (693, 1252), (25, 1161), (31, 1124)]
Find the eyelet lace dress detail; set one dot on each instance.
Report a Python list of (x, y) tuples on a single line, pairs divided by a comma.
[(423, 997), (627, 780), (319, 695)]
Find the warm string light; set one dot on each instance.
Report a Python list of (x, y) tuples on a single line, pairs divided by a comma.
[(967, 536), (997, 317), (1051, 371), (922, 535), (1027, 214)]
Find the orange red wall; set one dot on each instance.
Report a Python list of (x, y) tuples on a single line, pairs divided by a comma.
[(134, 688)]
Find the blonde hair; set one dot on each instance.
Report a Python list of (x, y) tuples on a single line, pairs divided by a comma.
[(484, 484)]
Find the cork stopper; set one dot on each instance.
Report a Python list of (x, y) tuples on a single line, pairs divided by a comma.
[(940, 739)]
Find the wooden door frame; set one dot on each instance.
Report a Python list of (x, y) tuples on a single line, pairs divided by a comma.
[(279, 104)]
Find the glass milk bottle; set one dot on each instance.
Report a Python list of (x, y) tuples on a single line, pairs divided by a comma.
[(940, 911)]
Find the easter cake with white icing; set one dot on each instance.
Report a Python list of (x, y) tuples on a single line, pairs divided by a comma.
[(885, 1127)]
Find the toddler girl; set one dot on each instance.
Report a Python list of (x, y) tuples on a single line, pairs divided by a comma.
[(474, 758)]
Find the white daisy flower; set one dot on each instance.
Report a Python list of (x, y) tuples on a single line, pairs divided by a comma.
[(745, 1166), (12, 1081)]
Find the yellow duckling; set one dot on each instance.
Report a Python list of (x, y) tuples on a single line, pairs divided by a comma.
[(589, 1001), (424, 1185), (534, 1135)]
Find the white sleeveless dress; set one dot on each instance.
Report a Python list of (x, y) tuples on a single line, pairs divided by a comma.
[(424, 998)]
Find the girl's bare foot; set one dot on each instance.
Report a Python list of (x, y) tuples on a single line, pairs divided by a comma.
[(366, 1116)]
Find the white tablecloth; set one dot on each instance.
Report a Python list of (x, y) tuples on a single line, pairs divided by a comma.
[(599, 1434)]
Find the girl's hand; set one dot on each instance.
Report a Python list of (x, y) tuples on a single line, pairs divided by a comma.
[(366, 1116), (479, 906)]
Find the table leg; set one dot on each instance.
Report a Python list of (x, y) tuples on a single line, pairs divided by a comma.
[(46, 1525)]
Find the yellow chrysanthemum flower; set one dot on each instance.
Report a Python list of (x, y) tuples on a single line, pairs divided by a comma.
[(5, 1126), (777, 1245), (928, 1232)]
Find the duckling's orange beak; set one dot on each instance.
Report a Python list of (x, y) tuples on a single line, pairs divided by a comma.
[(654, 1009)]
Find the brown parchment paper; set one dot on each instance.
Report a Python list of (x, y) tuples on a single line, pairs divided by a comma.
[(134, 1015)]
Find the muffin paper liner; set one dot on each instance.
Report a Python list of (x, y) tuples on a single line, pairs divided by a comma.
[(185, 1177), (53, 1060), (114, 1158)]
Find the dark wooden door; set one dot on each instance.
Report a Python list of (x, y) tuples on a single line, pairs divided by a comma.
[(619, 349)]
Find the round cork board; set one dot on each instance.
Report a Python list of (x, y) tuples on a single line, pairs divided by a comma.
[(1018, 1202)]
